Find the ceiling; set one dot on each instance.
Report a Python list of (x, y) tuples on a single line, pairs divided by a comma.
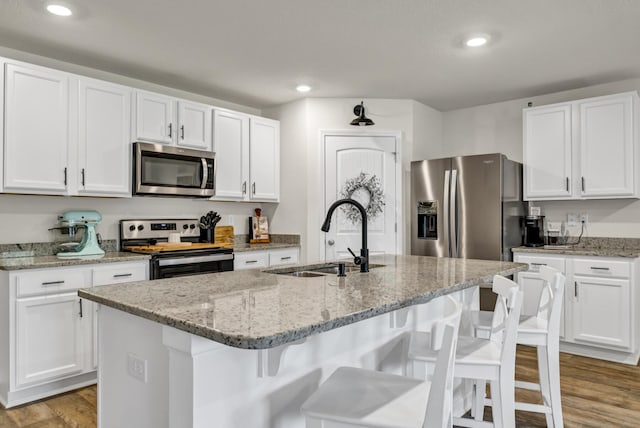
[(254, 52)]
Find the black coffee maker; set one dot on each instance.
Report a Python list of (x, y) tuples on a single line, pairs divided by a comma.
[(533, 226)]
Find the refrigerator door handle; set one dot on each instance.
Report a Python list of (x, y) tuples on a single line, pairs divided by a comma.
[(454, 214), (446, 210)]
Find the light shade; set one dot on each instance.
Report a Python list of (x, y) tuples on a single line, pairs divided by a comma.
[(361, 120)]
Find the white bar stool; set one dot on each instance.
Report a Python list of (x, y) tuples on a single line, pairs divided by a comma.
[(358, 397), (490, 359), (542, 331)]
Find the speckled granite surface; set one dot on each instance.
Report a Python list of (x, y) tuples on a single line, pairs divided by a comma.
[(36, 249), (598, 247), (252, 309), (241, 243), (41, 262)]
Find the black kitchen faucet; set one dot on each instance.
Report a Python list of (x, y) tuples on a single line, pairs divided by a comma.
[(363, 259)]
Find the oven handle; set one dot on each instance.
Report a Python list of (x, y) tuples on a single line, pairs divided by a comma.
[(196, 259)]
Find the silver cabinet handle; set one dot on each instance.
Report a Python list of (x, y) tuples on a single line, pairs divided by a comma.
[(538, 264), (567, 184), (244, 187), (599, 268), (583, 184), (575, 289), (82, 176), (253, 188), (170, 130), (285, 258), (251, 261), (49, 283), (122, 275), (65, 175), (331, 242), (182, 132), (80, 308)]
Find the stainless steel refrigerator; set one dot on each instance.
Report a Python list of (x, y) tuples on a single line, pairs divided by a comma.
[(467, 207)]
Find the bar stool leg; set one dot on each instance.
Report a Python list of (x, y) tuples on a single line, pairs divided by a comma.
[(553, 365), (543, 374), (496, 405)]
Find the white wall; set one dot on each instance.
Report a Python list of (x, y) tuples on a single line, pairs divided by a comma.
[(498, 128), (301, 208)]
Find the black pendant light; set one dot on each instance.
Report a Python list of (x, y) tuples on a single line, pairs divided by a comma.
[(361, 120)]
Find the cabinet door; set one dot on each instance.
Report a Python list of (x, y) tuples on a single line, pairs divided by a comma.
[(49, 338), (155, 118), (601, 312), (195, 125), (231, 145), (547, 152), (607, 147), (36, 130), (104, 139), (264, 161)]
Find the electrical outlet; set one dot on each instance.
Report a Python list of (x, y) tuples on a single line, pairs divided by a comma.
[(572, 220), (137, 367), (584, 218)]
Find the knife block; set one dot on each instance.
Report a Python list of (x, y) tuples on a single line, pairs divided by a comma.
[(207, 235)]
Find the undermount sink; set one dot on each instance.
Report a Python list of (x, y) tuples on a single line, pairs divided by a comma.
[(316, 270)]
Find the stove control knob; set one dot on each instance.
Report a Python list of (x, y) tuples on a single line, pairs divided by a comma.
[(140, 228), (193, 226), (132, 228), (185, 226)]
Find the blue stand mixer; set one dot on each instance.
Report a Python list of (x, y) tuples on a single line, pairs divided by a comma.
[(89, 246)]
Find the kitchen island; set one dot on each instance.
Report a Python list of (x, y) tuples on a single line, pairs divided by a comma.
[(246, 348)]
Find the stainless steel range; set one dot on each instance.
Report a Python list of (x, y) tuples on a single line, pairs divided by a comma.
[(172, 259)]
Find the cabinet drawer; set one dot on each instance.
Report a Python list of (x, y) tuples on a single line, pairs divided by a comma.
[(283, 257), (50, 281), (251, 260), (602, 268), (121, 273), (536, 261)]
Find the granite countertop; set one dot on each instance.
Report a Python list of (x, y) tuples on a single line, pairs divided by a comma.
[(252, 309), (41, 262), (581, 251), (242, 247)]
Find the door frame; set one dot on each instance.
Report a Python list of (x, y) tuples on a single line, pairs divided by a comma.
[(398, 167)]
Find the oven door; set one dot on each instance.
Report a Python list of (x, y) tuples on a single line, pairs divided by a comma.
[(195, 265), (172, 171)]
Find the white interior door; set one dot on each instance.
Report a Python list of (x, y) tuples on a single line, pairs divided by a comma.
[(346, 158)]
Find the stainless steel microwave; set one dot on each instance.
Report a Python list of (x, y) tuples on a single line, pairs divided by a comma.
[(162, 170)]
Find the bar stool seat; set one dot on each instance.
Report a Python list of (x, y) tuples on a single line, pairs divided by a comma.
[(360, 397)]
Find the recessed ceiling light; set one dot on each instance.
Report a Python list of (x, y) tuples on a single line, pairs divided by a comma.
[(58, 9), (303, 88), (477, 41)]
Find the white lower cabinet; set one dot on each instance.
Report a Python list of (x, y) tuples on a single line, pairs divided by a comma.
[(50, 334), (266, 258), (600, 301), (50, 338)]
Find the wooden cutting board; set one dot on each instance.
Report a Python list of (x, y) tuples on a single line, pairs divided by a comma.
[(224, 236)]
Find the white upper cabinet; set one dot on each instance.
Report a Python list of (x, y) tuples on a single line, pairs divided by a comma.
[(167, 120), (36, 130), (195, 125), (231, 146), (585, 149), (155, 118), (547, 152), (607, 146), (104, 135), (264, 160), (247, 157)]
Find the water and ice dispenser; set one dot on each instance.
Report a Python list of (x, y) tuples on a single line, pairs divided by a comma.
[(428, 220)]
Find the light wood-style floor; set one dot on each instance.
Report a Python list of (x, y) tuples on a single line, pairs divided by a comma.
[(595, 394)]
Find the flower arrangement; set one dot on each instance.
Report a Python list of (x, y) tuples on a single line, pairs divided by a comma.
[(370, 184)]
